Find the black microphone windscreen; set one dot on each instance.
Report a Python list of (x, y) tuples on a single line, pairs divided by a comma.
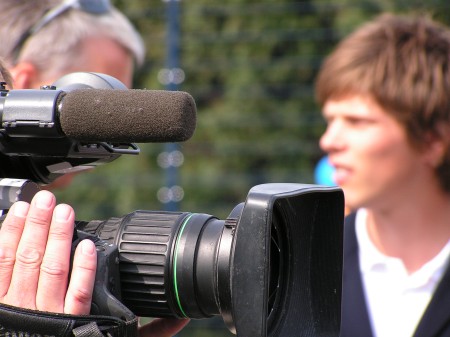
[(141, 116)]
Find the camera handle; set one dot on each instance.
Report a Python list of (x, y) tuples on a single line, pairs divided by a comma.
[(106, 297)]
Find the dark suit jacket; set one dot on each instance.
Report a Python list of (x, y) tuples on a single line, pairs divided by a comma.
[(355, 319)]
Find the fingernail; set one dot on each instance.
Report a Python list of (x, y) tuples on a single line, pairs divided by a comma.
[(21, 209), (44, 200), (62, 212), (87, 247)]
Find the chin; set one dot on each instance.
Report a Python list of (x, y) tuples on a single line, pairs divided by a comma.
[(353, 201)]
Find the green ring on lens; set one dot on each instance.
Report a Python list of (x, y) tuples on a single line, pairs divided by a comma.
[(175, 286)]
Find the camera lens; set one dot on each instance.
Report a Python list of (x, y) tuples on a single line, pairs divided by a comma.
[(271, 269), (171, 264)]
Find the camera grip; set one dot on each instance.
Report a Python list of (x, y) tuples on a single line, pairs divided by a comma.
[(106, 296)]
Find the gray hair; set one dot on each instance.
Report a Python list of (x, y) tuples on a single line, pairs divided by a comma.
[(57, 42), (5, 76)]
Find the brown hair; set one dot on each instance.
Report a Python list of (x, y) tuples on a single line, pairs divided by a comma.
[(404, 64)]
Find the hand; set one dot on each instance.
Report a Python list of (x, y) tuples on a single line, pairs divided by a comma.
[(35, 244), (163, 327)]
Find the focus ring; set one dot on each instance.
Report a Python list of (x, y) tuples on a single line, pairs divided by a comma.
[(145, 241)]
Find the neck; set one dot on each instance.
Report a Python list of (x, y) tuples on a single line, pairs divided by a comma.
[(415, 230)]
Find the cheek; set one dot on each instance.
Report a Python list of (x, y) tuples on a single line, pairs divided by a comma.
[(378, 171), (389, 160)]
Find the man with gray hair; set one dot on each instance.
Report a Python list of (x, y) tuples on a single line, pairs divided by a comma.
[(45, 39)]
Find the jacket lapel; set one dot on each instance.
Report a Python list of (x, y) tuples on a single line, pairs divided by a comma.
[(355, 319), (436, 319)]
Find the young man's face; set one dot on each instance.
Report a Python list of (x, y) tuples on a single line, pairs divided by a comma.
[(374, 163)]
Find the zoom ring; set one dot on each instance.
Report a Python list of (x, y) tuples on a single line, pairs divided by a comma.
[(145, 242)]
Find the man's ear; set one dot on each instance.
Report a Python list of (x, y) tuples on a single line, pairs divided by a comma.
[(24, 75), (435, 150)]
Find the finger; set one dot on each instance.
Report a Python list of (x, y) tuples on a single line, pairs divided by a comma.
[(10, 234), (52, 285), (30, 251), (163, 327), (81, 286)]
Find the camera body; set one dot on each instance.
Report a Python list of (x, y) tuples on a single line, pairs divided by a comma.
[(272, 268)]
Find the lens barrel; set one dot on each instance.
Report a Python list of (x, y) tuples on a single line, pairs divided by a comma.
[(171, 264), (273, 268)]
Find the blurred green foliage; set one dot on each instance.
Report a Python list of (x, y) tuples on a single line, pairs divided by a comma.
[(250, 65)]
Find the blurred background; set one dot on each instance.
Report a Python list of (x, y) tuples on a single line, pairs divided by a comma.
[(250, 66)]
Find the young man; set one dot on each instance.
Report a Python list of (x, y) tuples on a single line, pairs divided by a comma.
[(385, 93)]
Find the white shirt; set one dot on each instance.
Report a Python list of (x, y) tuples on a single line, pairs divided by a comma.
[(396, 300)]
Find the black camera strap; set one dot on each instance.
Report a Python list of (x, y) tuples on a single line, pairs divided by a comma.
[(16, 321), (88, 330)]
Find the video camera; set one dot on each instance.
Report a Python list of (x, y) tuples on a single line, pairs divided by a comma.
[(272, 268)]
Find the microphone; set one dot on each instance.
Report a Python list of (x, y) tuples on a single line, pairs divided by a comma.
[(84, 120), (127, 115)]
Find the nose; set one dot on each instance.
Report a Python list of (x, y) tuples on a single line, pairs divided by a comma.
[(332, 139)]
